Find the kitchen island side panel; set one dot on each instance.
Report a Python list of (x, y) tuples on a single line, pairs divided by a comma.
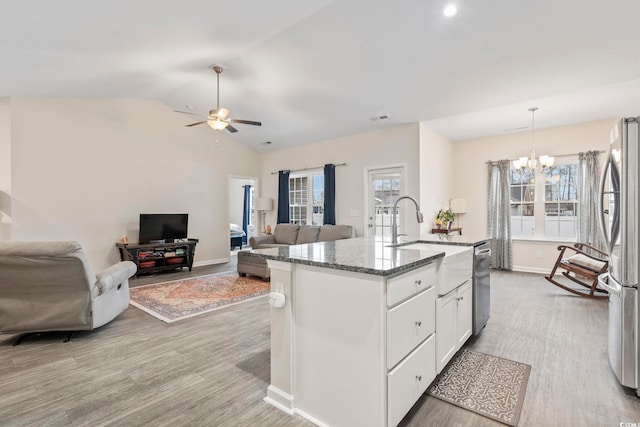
[(339, 338)]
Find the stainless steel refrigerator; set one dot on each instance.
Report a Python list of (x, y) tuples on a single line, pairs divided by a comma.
[(619, 209)]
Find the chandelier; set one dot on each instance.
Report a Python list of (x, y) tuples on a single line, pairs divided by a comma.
[(531, 162)]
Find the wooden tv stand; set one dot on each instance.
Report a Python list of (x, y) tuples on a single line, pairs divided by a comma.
[(155, 257)]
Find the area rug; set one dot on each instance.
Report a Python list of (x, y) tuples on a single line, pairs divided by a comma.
[(180, 299), (487, 385)]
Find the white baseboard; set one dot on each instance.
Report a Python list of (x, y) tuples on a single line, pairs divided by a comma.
[(279, 399), (526, 269)]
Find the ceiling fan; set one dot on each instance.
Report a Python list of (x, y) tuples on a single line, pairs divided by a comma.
[(218, 118)]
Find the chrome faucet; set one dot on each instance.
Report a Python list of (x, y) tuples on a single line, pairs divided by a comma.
[(394, 228)]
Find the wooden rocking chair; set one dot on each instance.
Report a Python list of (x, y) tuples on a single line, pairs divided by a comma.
[(580, 266)]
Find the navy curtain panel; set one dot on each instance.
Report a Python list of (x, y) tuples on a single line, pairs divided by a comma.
[(329, 216), (246, 211), (283, 197)]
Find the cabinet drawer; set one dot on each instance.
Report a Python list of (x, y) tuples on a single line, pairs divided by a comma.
[(409, 324), (409, 380), (402, 287)]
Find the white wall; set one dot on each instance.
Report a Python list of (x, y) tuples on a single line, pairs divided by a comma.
[(436, 175), (378, 148), (84, 169), (5, 168), (470, 177)]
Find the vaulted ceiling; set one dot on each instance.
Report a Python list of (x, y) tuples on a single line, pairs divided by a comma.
[(314, 70)]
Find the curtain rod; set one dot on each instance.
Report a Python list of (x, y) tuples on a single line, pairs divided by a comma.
[(488, 162), (306, 168)]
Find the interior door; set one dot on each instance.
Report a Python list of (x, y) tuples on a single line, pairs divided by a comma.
[(385, 185)]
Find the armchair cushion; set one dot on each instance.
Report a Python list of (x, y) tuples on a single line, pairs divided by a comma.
[(585, 261)]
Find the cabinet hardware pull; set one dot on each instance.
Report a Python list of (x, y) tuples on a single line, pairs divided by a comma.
[(418, 282), (419, 377), (418, 323)]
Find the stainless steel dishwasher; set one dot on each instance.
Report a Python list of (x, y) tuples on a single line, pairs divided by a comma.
[(481, 286)]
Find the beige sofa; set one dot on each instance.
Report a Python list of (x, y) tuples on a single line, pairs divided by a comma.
[(287, 235), (50, 286)]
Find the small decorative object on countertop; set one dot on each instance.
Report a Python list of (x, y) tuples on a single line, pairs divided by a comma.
[(124, 240)]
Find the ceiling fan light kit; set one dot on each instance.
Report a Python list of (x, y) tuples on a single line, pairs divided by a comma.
[(218, 118)]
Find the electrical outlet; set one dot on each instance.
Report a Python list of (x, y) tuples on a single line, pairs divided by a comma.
[(279, 287)]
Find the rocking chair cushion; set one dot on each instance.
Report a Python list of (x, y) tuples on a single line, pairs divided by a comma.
[(584, 261)]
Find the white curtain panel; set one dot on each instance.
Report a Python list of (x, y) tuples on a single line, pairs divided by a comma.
[(499, 215)]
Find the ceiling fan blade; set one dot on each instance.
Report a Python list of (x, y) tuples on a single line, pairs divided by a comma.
[(245, 122), (231, 129), (196, 123), (186, 112)]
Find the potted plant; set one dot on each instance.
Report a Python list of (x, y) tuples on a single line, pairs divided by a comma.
[(444, 218)]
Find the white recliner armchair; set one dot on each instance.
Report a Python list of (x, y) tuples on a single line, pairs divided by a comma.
[(49, 286)]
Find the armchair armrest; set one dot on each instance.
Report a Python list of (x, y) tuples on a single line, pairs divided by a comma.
[(115, 275), (261, 239)]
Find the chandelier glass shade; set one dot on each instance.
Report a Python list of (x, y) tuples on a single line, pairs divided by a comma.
[(532, 161)]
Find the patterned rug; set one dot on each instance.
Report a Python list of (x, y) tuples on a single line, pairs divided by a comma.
[(484, 384), (179, 299)]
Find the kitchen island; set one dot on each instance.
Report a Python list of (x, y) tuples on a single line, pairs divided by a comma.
[(353, 329)]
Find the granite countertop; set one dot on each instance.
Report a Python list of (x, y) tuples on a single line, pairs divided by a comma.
[(360, 255), (454, 239)]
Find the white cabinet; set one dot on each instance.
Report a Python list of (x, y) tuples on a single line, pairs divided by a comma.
[(411, 346), (408, 380), (453, 323), (464, 319)]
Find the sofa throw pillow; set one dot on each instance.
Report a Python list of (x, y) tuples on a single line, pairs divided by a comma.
[(307, 234), (286, 233), (334, 232)]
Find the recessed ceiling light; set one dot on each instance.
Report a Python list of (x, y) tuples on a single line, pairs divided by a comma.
[(450, 10)]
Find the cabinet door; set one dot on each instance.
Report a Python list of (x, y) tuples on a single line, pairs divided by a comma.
[(446, 313), (464, 321)]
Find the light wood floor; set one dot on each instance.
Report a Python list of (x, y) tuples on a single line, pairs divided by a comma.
[(213, 369)]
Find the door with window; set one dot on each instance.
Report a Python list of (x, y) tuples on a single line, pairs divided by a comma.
[(385, 185)]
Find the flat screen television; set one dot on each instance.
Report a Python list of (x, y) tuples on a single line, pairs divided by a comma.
[(167, 227)]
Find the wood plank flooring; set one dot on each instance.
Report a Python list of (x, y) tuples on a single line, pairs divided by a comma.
[(213, 369)]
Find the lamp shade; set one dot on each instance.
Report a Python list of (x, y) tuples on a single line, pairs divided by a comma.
[(264, 204), (458, 206)]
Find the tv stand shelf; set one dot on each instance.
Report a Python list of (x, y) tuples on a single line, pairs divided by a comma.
[(155, 257)]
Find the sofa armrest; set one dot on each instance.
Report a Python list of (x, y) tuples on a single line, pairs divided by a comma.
[(261, 239), (115, 275)]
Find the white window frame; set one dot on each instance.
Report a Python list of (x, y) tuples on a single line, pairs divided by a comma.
[(540, 203), (309, 174)]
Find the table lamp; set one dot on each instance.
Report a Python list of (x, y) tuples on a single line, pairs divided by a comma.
[(458, 206), (263, 204)]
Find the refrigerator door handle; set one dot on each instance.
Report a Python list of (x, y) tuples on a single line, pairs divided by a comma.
[(601, 209), (612, 288)]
